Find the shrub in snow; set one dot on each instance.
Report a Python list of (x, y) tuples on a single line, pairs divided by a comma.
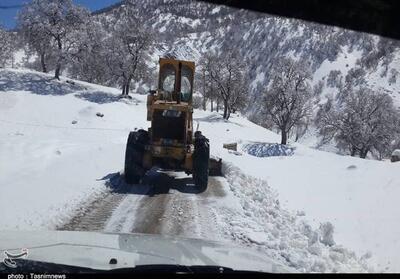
[(267, 149), (327, 234)]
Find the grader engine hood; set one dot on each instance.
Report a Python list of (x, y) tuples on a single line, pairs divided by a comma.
[(168, 126)]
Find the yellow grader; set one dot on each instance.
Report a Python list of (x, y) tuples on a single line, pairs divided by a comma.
[(171, 143)]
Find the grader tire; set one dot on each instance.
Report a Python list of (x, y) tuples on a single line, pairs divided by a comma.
[(134, 170), (201, 157)]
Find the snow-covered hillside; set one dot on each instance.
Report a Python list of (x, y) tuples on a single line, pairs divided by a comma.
[(57, 155), (188, 29)]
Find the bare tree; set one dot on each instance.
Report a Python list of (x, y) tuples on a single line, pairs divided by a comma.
[(87, 59), (128, 48), (206, 85), (203, 83), (225, 72), (5, 47), (361, 122), (288, 98), (50, 23), (36, 38)]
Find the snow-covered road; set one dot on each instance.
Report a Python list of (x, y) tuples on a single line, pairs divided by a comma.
[(166, 203)]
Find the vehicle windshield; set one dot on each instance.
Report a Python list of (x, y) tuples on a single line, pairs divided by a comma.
[(167, 79), (185, 134)]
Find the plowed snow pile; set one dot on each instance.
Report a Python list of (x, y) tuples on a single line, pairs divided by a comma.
[(282, 233), (313, 211)]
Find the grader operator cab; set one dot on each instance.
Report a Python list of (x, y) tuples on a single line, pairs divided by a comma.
[(170, 142)]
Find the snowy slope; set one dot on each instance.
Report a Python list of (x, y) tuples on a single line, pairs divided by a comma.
[(40, 145), (49, 166)]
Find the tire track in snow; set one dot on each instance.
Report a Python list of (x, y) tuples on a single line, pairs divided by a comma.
[(186, 214), (94, 215), (152, 219), (168, 204)]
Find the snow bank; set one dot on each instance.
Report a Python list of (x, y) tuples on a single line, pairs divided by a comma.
[(284, 235), (359, 197)]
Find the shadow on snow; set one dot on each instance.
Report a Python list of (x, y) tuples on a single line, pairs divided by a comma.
[(99, 97), (154, 183), (214, 118), (45, 85), (37, 84)]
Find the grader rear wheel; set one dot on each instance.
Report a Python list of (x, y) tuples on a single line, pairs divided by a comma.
[(201, 157), (134, 170)]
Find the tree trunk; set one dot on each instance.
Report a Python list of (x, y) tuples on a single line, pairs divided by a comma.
[(212, 105), (297, 136), (228, 113), (217, 105), (128, 85), (363, 153), (204, 91), (225, 109), (123, 89), (58, 67), (43, 63), (57, 72), (353, 151), (283, 136)]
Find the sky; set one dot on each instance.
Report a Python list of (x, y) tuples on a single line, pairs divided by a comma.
[(9, 9)]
